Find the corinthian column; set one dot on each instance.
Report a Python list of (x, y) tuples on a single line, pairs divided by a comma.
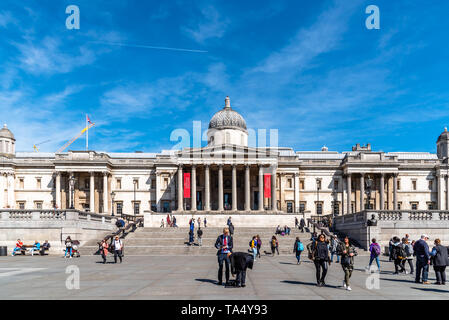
[(395, 191), (234, 188), (220, 187), (92, 192), (2, 190), (362, 190), (261, 188), (274, 201), (348, 195), (193, 187), (206, 188), (382, 182), (180, 190), (105, 193), (247, 189), (58, 190)]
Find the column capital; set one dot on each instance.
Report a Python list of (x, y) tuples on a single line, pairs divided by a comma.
[(362, 174), (193, 166), (105, 173), (180, 165)]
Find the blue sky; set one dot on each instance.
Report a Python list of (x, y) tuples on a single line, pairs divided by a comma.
[(310, 69)]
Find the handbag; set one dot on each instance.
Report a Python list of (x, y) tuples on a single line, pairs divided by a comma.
[(346, 260)]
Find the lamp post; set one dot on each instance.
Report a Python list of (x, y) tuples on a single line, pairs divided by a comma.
[(318, 188), (72, 186), (112, 198), (134, 206)]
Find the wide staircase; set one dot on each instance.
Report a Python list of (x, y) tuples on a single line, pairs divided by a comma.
[(174, 241)]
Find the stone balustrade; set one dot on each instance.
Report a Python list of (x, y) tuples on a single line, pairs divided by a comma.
[(51, 215)]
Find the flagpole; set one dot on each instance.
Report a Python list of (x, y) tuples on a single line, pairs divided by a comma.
[(87, 135)]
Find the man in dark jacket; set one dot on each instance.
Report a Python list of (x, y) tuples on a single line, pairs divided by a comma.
[(224, 245), (319, 254), (421, 250), (240, 261), (302, 224)]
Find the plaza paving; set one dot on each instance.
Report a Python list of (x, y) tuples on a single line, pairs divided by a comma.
[(193, 277)]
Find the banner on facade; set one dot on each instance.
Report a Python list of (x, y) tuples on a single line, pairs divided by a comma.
[(267, 185), (187, 185)]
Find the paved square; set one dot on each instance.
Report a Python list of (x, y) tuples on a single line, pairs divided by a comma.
[(193, 277)]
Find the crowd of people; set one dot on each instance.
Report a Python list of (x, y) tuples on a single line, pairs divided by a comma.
[(170, 222)]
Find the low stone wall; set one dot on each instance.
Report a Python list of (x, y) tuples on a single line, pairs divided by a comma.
[(153, 220), (435, 223), (54, 226)]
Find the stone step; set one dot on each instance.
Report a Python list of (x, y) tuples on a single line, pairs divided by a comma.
[(182, 240)]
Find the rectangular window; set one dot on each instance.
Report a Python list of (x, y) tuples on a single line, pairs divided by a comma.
[(136, 206), (301, 184), (38, 183), (21, 183), (119, 208), (336, 207), (430, 184), (319, 208), (335, 185), (153, 183), (399, 205), (430, 206), (302, 207), (414, 185), (165, 183), (118, 184), (21, 205), (153, 206), (318, 184), (399, 184), (38, 205), (87, 183), (136, 183), (290, 183), (414, 205)]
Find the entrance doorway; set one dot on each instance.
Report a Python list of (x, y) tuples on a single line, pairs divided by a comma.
[(256, 200), (227, 201)]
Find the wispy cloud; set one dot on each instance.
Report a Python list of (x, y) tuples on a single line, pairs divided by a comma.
[(211, 25)]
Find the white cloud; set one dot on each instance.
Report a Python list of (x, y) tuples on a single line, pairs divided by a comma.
[(212, 25)]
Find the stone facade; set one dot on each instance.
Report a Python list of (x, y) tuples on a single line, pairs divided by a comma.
[(227, 177)]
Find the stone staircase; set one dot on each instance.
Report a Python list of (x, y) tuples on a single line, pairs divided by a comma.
[(173, 241)]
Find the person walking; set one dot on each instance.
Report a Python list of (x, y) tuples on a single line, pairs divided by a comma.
[(253, 246), (302, 224), (104, 250), (229, 221), (191, 231), (298, 248), (334, 247), (347, 252), (374, 249), (409, 253), (422, 254), (162, 223), (390, 248), (240, 261), (319, 253), (199, 222), (68, 247), (274, 245), (231, 229), (224, 244), (398, 254), (440, 261), (259, 245), (205, 222), (118, 249), (168, 221), (296, 222), (174, 222), (199, 234)]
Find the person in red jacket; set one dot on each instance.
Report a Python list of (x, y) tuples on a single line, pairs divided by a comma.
[(104, 250), (18, 247)]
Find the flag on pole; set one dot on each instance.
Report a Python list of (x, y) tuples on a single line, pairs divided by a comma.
[(88, 120)]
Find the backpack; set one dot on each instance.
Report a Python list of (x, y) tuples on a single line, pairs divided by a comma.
[(376, 250), (273, 243), (300, 247)]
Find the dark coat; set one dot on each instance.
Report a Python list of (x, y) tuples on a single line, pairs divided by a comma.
[(441, 259), (240, 261), (219, 243), (302, 223), (421, 250), (341, 247)]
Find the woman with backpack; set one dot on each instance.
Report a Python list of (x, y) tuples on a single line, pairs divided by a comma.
[(398, 254), (253, 246), (374, 249), (440, 259), (409, 254), (274, 245), (259, 245), (68, 247), (104, 250), (298, 248), (347, 253)]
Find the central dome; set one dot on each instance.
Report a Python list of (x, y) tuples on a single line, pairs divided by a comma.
[(227, 118)]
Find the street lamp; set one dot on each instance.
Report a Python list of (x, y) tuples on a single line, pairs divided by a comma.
[(112, 198), (318, 188), (72, 186), (135, 186)]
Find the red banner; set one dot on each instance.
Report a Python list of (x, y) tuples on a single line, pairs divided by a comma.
[(267, 185), (187, 185)]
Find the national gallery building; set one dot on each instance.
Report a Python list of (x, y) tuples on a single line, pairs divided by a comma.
[(226, 176)]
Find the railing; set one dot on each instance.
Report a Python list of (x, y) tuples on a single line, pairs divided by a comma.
[(51, 215), (393, 216)]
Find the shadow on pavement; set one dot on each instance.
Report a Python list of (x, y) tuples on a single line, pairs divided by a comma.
[(308, 283), (431, 290), (207, 280)]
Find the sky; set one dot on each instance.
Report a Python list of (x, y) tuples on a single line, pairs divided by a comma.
[(309, 69)]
